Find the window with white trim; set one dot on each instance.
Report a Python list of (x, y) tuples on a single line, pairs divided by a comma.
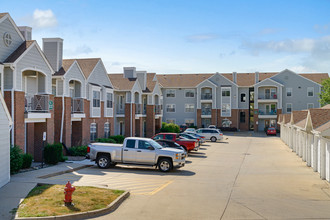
[(189, 108), (243, 97), (288, 107), (109, 100), (225, 110), (310, 91), (96, 99), (168, 121), (189, 122), (288, 92), (106, 130), (225, 92), (170, 93), (93, 131), (310, 105), (189, 93), (170, 108)]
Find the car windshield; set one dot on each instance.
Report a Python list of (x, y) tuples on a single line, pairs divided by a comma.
[(155, 144)]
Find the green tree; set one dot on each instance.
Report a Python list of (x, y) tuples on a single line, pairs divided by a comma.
[(325, 92)]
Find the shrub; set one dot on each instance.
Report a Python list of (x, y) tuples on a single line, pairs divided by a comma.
[(27, 160), (78, 150), (119, 139), (105, 140), (171, 128), (15, 159), (53, 153)]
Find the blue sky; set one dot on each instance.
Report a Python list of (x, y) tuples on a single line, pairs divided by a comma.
[(180, 36)]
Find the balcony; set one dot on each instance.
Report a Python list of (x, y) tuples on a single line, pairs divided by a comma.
[(120, 111), (158, 109), (267, 98), (138, 109), (264, 113), (206, 96), (77, 109), (36, 107)]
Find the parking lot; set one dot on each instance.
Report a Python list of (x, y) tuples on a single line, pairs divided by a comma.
[(246, 176)]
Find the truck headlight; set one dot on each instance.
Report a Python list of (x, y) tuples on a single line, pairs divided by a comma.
[(177, 156)]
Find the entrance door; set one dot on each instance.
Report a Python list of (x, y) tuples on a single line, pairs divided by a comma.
[(267, 93), (267, 123)]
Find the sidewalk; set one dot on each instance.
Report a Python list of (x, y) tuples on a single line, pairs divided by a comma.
[(21, 184)]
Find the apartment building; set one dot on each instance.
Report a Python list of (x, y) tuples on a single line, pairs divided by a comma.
[(246, 101), (138, 99)]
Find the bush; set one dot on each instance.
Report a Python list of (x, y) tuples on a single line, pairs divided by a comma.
[(53, 153), (228, 129), (119, 139), (78, 151), (170, 128), (16, 159), (106, 140), (27, 160)]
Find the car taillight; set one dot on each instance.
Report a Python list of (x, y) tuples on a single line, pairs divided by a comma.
[(202, 137), (221, 134), (88, 149)]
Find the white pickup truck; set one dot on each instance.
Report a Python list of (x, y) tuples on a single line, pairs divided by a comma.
[(142, 151)]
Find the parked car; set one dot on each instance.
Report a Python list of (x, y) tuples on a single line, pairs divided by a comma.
[(210, 134), (144, 151), (212, 126), (190, 137), (271, 131), (170, 144), (193, 130), (183, 127), (202, 138), (188, 145)]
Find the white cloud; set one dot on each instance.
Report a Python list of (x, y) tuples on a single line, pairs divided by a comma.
[(43, 19)]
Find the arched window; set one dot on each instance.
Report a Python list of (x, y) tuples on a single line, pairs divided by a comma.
[(106, 130), (93, 131)]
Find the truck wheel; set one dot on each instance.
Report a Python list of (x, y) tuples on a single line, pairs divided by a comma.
[(103, 161), (165, 165), (213, 139)]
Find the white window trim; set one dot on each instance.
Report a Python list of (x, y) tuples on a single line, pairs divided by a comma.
[(185, 109), (93, 99), (172, 119), (185, 120), (185, 91), (286, 107), (174, 108), (310, 104), (225, 88), (313, 91), (240, 99), (286, 92), (167, 92)]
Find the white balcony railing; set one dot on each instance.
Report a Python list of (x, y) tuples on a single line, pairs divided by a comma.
[(37, 103), (158, 109), (77, 105), (206, 96)]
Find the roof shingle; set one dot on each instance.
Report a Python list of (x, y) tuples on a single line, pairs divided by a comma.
[(19, 51)]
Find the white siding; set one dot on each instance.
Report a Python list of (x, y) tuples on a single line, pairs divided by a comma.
[(33, 61), (8, 78), (6, 26), (4, 148), (100, 77), (75, 74)]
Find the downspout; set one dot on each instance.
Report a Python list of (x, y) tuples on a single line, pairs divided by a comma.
[(12, 109), (131, 122), (62, 120)]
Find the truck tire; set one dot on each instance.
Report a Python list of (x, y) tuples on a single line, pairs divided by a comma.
[(165, 165), (103, 161), (213, 139)]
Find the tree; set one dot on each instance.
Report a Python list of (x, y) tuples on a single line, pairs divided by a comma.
[(325, 92)]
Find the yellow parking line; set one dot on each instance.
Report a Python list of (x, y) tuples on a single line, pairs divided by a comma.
[(160, 188)]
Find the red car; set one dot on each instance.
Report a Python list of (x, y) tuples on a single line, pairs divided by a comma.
[(271, 131), (188, 145)]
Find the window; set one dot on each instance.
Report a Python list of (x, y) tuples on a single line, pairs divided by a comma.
[(93, 131), (225, 91), (170, 108), (106, 130), (288, 92), (54, 90), (288, 107), (170, 121), (96, 99), (310, 105), (130, 144), (189, 93), (310, 91), (189, 108), (109, 100), (225, 110), (158, 137), (243, 97), (242, 117), (170, 93), (169, 137), (144, 145), (190, 122)]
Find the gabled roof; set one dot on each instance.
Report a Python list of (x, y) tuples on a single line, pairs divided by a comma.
[(326, 106), (3, 14), (316, 77), (286, 118), (120, 83), (19, 51), (182, 80), (248, 79), (87, 65), (298, 118), (66, 64), (319, 117), (150, 82)]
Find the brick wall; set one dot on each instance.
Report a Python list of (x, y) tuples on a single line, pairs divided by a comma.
[(234, 118), (128, 119), (19, 124), (39, 128), (139, 127), (214, 117), (244, 126), (199, 118), (151, 123), (86, 124), (158, 125)]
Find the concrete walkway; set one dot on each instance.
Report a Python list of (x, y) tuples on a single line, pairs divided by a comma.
[(21, 184)]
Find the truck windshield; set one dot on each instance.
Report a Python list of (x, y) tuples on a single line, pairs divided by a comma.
[(155, 144)]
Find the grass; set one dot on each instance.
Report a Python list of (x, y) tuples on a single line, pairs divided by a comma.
[(47, 200)]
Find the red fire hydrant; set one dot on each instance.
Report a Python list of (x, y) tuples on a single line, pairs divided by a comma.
[(68, 190)]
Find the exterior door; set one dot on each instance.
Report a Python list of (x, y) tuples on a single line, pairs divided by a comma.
[(143, 154), (129, 152), (267, 93)]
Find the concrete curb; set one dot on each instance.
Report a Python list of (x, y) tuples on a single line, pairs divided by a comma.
[(64, 171), (90, 214)]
